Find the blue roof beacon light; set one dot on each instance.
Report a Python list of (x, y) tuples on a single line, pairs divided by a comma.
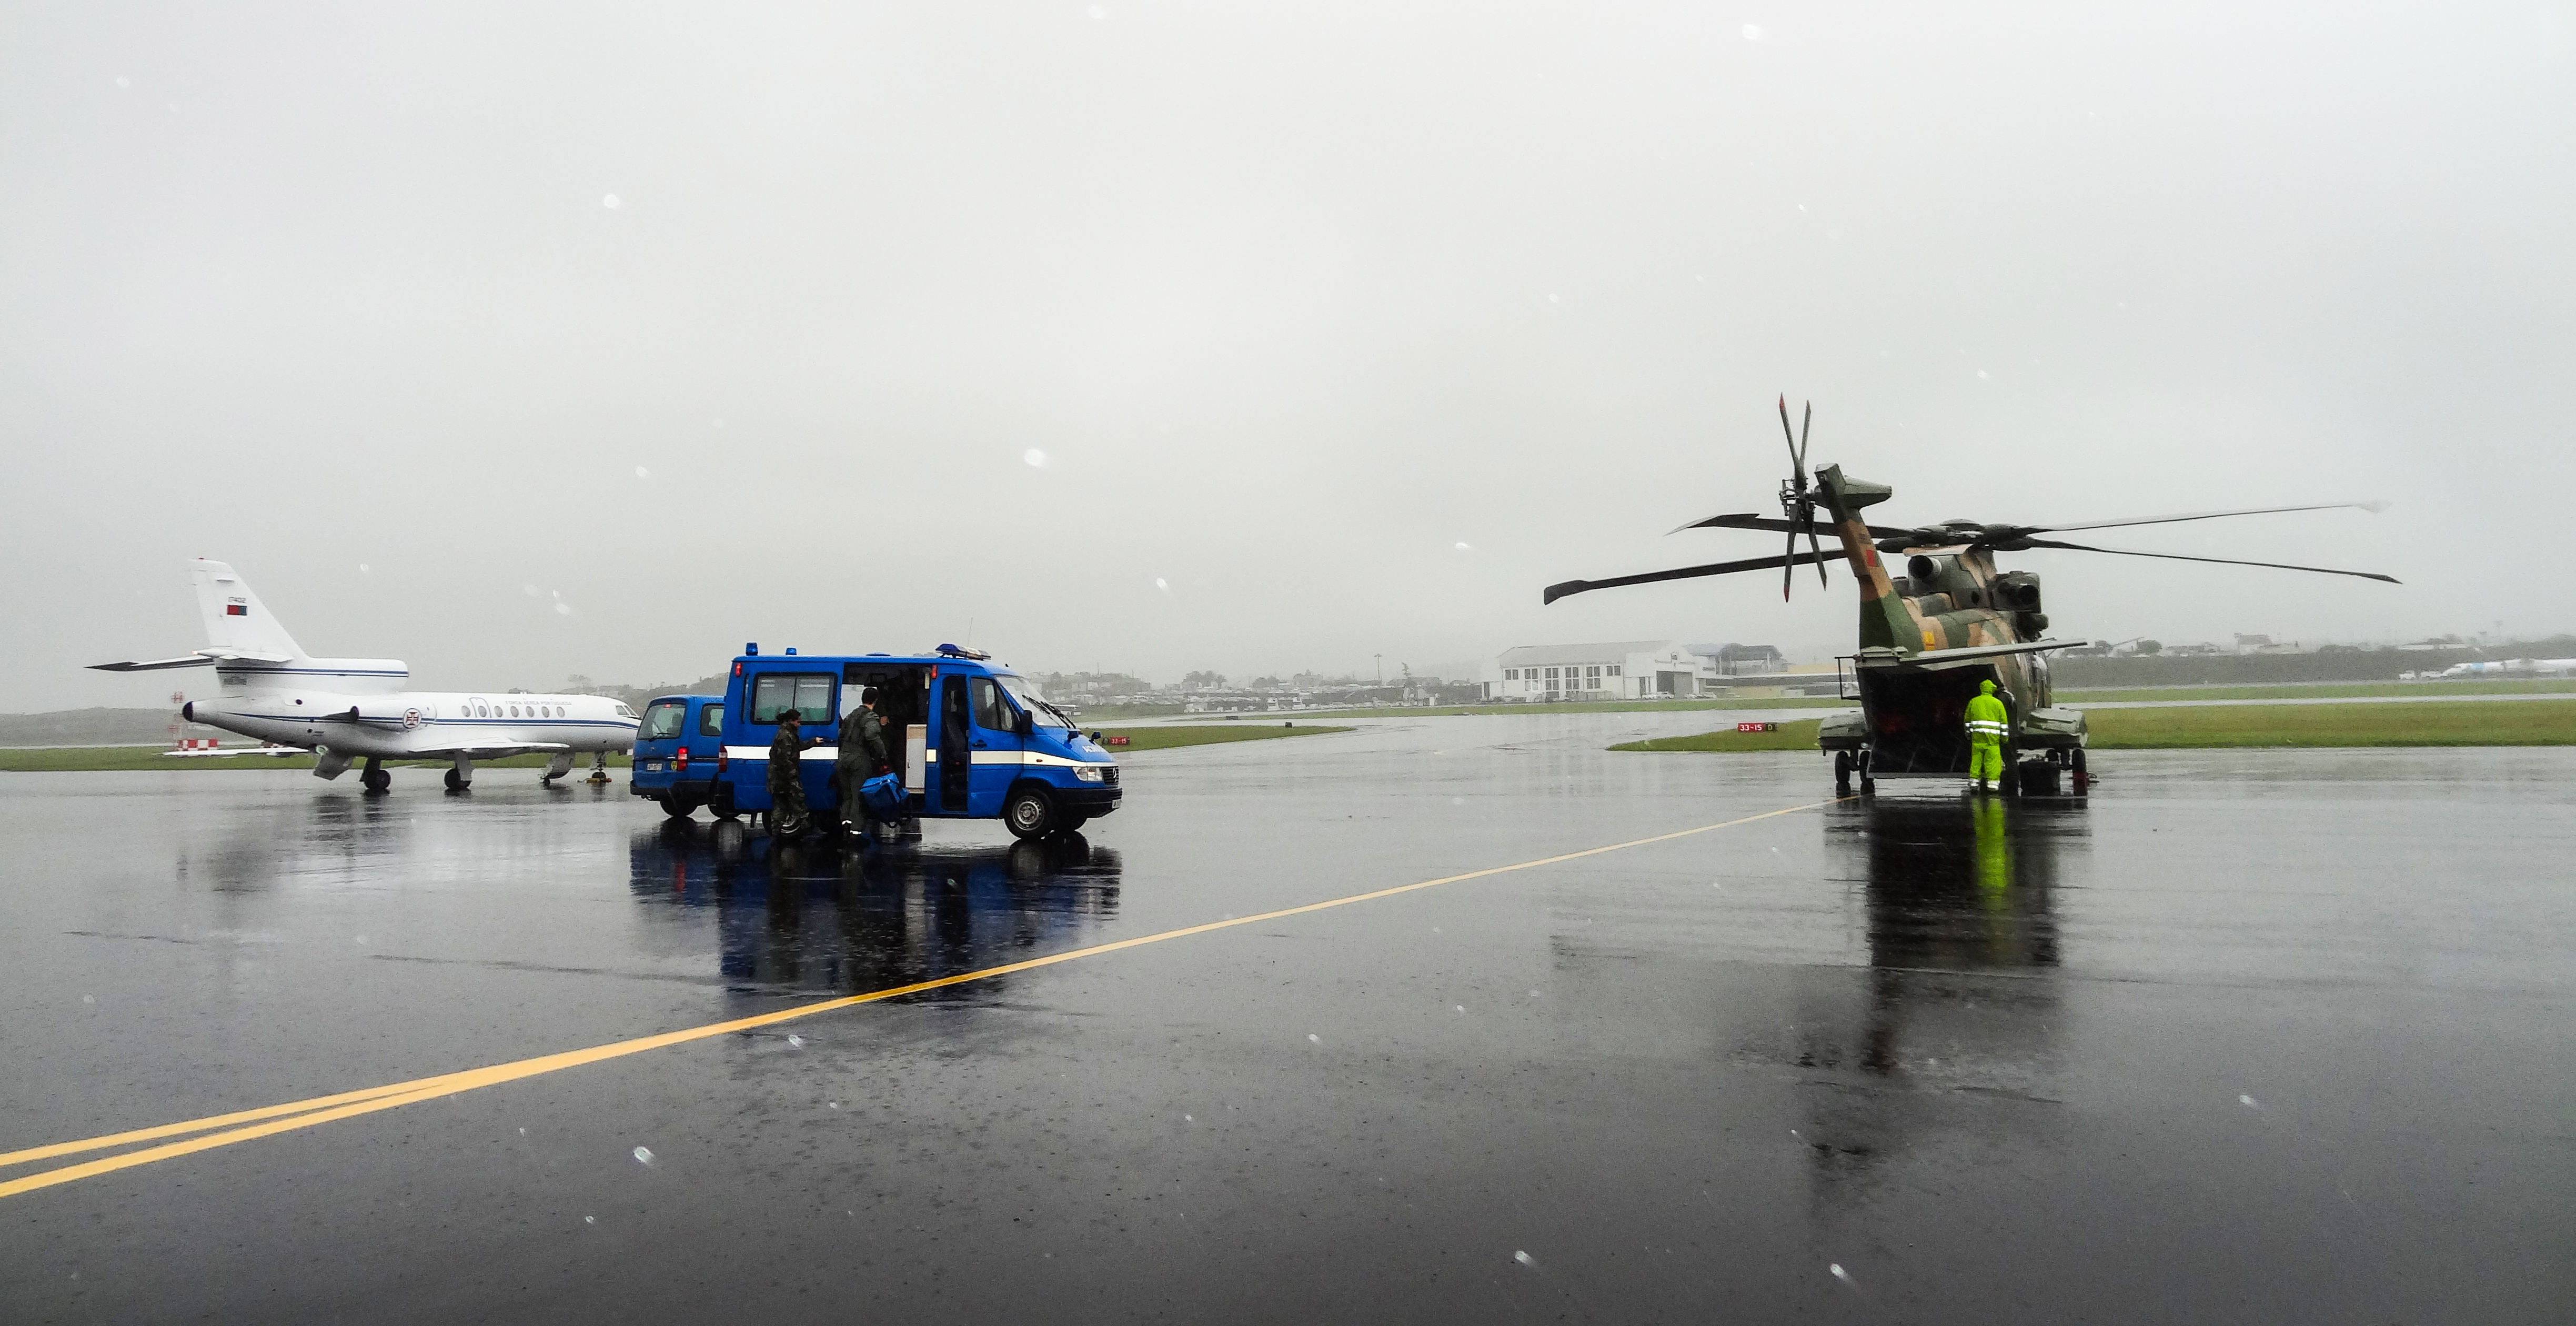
[(751, 649), (791, 651)]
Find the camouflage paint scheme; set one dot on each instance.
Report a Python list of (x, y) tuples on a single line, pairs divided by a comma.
[(1951, 597)]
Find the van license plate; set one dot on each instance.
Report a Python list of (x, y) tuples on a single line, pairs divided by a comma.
[(652, 766)]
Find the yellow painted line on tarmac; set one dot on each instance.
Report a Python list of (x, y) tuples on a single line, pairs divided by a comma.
[(268, 1121)]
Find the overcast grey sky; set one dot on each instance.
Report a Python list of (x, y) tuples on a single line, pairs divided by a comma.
[(1294, 300)]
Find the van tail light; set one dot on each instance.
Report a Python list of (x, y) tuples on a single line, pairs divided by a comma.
[(723, 758), (682, 761)]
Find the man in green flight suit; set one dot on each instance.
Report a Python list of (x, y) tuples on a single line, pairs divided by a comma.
[(1988, 725), (786, 784), (862, 757)]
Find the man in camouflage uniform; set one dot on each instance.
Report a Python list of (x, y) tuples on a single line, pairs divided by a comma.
[(787, 815), (862, 757), (1988, 725)]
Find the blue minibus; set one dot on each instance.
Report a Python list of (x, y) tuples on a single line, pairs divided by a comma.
[(969, 738), (675, 752)]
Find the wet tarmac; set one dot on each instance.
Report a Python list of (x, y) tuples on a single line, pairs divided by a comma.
[(2246, 1036)]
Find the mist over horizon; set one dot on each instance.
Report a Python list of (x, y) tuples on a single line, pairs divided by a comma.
[(1146, 338)]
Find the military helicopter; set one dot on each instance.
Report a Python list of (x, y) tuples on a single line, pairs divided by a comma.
[(1929, 636)]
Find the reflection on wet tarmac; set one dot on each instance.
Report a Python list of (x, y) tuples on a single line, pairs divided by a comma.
[(819, 918), (1962, 991)]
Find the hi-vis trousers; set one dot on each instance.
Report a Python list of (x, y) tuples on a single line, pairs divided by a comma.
[(1985, 760)]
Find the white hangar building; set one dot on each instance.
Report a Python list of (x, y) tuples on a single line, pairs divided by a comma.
[(1617, 670)]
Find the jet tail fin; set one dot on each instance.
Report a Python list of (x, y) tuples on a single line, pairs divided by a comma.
[(236, 621)]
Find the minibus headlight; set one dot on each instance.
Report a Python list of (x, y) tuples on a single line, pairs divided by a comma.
[(1086, 773)]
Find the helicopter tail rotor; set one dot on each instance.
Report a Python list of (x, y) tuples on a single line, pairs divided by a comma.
[(1798, 502)]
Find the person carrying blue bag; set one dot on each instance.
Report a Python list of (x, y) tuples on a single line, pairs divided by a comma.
[(862, 756)]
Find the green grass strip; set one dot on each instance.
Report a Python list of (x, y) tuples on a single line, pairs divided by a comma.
[(2432, 723), (1165, 738), (2424, 690)]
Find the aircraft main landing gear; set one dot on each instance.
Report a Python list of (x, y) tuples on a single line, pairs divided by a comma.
[(373, 777), (460, 777)]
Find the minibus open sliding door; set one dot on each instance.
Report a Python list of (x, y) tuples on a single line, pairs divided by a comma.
[(956, 762)]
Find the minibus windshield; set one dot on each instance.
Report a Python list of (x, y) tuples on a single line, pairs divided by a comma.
[(1026, 692)]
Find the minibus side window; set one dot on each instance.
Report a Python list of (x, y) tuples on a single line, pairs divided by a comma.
[(808, 693), (711, 721)]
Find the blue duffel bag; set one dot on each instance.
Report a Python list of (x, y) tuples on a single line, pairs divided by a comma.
[(883, 795)]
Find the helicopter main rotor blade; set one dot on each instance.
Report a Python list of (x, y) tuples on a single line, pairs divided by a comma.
[(1797, 463), (2202, 515), (2223, 561), (1557, 591), (1775, 523)]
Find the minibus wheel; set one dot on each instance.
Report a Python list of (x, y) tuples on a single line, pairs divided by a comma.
[(1029, 813), (678, 808)]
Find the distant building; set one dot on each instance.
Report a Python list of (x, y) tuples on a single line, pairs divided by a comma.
[(1733, 660), (1615, 670)]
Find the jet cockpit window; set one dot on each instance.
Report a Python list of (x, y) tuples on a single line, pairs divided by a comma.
[(623, 711), (662, 720), (808, 693)]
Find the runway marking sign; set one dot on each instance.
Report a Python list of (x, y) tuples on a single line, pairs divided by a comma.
[(270, 1120)]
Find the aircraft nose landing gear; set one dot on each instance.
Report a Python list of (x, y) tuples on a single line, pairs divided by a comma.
[(373, 777), (599, 768)]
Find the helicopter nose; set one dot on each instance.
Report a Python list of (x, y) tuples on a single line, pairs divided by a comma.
[(188, 712)]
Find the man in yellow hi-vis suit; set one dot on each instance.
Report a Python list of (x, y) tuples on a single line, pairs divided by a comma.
[(1988, 725)]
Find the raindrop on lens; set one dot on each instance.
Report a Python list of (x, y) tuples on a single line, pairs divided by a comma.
[(796, 1042), (1839, 1273), (1034, 458), (1314, 1038), (643, 473), (590, 1220), (2247, 1102), (643, 1155), (611, 202), (1524, 1259)]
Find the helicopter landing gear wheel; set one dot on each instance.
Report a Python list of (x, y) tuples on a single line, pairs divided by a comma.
[(1868, 785), (1842, 773), (2083, 781)]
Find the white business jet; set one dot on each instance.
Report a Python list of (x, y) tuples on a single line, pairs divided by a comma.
[(345, 709)]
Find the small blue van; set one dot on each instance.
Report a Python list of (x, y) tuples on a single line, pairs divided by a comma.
[(969, 739), (676, 749)]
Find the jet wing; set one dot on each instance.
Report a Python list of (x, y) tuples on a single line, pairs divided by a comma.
[(484, 752)]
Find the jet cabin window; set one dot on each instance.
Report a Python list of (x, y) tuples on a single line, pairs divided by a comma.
[(808, 693), (662, 721)]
